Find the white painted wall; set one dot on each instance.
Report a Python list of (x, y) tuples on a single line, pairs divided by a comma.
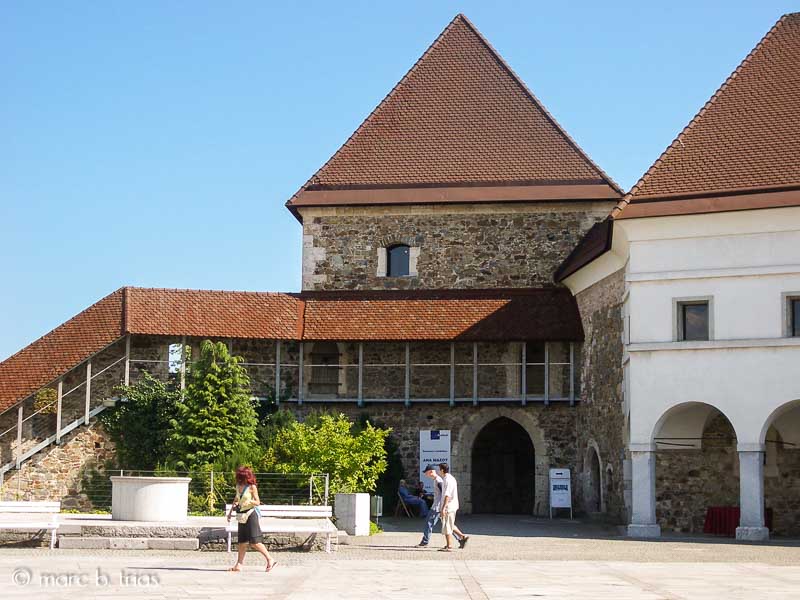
[(746, 384), (746, 262)]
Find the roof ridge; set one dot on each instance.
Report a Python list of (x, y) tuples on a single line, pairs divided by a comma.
[(540, 105), (385, 99), (165, 289), (678, 139)]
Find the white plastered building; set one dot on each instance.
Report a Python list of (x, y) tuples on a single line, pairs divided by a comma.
[(708, 242)]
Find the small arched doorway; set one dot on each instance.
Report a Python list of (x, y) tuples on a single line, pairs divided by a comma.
[(503, 469), (594, 499)]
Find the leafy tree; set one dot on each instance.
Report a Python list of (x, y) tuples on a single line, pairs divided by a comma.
[(217, 414), (140, 425), (331, 444), (272, 424)]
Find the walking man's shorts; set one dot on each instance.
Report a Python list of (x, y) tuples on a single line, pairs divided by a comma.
[(448, 523)]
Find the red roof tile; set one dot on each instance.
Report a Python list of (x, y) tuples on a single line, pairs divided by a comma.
[(465, 315), (460, 116), (486, 315), (745, 139), (212, 313)]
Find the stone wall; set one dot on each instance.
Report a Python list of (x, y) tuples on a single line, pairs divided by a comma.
[(39, 420), (465, 246), (600, 415), (782, 487), (63, 472), (552, 430), (689, 481)]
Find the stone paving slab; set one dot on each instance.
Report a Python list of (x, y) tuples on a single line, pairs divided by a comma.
[(505, 559), (157, 575)]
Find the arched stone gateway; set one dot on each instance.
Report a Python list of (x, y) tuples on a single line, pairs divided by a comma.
[(533, 477), (503, 469)]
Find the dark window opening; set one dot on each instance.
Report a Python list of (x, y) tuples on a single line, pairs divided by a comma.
[(397, 259), (534, 368), (795, 317), (324, 369), (693, 321)]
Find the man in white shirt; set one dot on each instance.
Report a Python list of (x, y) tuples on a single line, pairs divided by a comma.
[(435, 512), (449, 508)]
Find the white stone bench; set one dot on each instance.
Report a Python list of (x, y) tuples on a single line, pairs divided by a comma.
[(31, 515), (321, 526)]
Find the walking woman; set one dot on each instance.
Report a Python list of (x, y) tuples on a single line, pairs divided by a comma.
[(246, 506)]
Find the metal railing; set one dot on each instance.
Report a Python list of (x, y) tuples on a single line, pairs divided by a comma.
[(209, 491), (78, 395)]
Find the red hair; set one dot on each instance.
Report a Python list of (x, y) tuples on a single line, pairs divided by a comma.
[(245, 475)]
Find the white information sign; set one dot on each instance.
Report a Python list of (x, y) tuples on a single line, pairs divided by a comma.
[(434, 448), (560, 490)]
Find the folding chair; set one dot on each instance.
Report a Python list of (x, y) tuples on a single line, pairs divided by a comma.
[(402, 507)]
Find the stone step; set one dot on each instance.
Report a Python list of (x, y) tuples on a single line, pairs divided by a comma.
[(127, 543)]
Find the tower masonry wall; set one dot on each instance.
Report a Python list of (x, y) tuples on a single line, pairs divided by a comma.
[(460, 247)]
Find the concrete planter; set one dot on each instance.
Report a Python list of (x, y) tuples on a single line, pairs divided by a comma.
[(352, 513), (158, 499)]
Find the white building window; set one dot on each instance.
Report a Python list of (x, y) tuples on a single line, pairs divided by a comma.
[(693, 319)]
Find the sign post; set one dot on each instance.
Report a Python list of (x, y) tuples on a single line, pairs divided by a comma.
[(560, 490), (434, 448)]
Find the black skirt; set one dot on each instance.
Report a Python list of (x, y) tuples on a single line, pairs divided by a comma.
[(250, 532)]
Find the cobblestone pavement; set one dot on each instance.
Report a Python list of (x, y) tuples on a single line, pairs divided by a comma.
[(542, 560)]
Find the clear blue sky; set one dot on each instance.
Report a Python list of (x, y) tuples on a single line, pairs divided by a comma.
[(154, 143)]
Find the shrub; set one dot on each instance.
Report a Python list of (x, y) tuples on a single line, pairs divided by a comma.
[(46, 401), (217, 414), (331, 444), (140, 425)]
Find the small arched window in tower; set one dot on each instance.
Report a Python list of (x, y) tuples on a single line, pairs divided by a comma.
[(397, 260)]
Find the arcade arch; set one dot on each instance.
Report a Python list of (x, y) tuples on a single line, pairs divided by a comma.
[(696, 465)]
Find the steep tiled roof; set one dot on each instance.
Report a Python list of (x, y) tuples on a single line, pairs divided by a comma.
[(490, 315), (459, 117), (63, 348), (745, 139)]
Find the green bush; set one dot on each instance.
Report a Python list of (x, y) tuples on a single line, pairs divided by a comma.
[(140, 425), (46, 401), (217, 414), (353, 457)]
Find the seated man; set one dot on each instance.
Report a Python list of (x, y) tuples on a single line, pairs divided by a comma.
[(412, 500)]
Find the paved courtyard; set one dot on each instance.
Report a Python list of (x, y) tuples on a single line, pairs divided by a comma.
[(542, 560)]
